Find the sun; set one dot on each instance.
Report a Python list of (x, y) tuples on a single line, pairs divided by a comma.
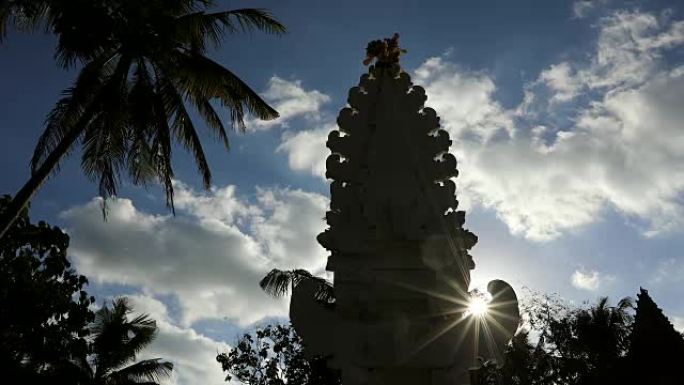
[(477, 306)]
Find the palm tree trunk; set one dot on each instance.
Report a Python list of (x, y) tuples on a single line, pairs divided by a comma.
[(23, 196)]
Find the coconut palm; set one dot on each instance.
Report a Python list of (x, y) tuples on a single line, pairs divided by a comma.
[(144, 69), (117, 340), (22, 14), (277, 283)]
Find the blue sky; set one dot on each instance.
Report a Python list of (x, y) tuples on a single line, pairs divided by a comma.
[(566, 119)]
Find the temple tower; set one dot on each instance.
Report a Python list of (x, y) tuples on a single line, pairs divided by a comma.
[(398, 248)]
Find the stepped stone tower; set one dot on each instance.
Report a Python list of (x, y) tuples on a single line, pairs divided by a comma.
[(398, 249), (656, 349)]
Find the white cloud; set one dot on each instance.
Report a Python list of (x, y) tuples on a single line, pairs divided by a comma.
[(291, 101), (192, 354), (560, 79), (211, 256), (582, 8), (586, 280), (622, 150), (627, 53), (306, 150), (548, 166), (678, 323), (463, 100)]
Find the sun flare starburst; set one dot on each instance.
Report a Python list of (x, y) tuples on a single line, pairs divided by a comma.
[(478, 306)]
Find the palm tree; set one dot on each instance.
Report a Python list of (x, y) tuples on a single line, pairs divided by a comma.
[(117, 340), (144, 68), (277, 283), (591, 343)]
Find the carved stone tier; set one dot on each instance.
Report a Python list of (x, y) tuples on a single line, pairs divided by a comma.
[(398, 248)]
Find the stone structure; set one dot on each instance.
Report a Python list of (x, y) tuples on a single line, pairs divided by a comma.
[(399, 252), (656, 349)]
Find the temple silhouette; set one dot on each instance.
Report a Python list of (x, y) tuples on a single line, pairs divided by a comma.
[(398, 249)]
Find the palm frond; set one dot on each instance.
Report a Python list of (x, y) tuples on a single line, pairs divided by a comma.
[(198, 27), (140, 158), (198, 75), (625, 304), (86, 30), (24, 15), (119, 339), (76, 109), (183, 128), (161, 148), (249, 19), (68, 111), (105, 143), (278, 283), (212, 118), (150, 371), (144, 332)]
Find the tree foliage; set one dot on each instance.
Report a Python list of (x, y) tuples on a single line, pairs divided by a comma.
[(144, 69), (117, 339), (278, 283), (44, 308), (574, 346), (48, 333), (275, 355)]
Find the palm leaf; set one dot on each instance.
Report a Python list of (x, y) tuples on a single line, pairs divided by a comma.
[(117, 339), (151, 371), (140, 158), (198, 75), (161, 147), (199, 27), (23, 14), (278, 283), (183, 128), (211, 117)]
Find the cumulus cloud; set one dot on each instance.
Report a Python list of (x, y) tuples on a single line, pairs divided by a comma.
[(463, 100), (586, 280), (599, 133), (211, 256), (192, 354), (291, 101), (582, 8), (628, 52), (561, 80), (306, 150), (622, 150)]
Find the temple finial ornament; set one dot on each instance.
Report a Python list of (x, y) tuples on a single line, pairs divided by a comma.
[(385, 51), (398, 249)]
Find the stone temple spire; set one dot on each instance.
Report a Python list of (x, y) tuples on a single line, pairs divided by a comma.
[(656, 349), (398, 248)]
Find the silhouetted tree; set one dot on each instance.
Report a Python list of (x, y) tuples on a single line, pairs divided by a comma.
[(278, 283), (275, 355), (143, 66), (592, 342), (116, 341), (582, 346), (44, 309)]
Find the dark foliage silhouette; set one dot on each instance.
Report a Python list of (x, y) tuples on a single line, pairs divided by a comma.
[(598, 345), (43, 305), (143, 69), (117, 338), (278, 283), (275, 355)]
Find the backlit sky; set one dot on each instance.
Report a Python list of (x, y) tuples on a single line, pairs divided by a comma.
[(566, 119)]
